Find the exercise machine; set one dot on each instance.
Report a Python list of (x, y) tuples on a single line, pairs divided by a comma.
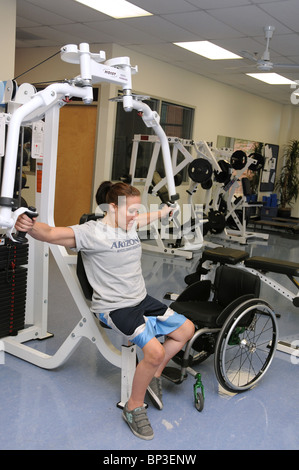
[(230, 221), (180, 239), (219, 172), (25, 107)]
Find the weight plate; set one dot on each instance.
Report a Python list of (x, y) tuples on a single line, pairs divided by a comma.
[(200, 170), (238, 160), (260, 161), (207, 184), (224, 175)]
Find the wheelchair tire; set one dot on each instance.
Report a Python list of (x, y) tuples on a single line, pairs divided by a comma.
[(245, 345), (199, 401)]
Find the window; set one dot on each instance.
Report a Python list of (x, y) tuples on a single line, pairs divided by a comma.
[(176, 120)]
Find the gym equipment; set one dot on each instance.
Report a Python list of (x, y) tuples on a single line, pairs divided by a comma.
[(233, 209), (31, 107), (290, 225), (232, 323), (221, 214), (200, 170), (238, 160), (20, 237), (185, 237), (13, 286)]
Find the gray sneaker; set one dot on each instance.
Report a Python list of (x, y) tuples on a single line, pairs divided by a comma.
[(155, 392), (138, 422)]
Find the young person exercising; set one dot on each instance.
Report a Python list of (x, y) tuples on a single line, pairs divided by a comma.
[(111, 253)]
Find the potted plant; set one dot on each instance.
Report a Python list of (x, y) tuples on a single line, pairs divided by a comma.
[(288, 181)]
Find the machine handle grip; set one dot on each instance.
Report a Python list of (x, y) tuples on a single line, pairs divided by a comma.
[(20, 237)]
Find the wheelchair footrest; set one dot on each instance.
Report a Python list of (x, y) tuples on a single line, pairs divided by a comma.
[(173, 374)]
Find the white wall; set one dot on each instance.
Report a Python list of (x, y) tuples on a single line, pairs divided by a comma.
[(8, 39), (219, 109)]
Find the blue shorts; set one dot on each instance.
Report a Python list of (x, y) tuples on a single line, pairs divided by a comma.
[(149, 319)]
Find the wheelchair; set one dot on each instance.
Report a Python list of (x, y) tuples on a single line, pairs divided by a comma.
[(231, 322)]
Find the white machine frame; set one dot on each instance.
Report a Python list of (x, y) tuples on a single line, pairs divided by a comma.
[(240, 234), (177, 145), (47, 103), (196, 241)]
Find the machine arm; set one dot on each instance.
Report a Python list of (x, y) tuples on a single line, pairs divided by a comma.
[(117, 71)]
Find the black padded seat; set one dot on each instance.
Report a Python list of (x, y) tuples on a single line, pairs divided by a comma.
[(200, 313), (224, 255), (231, 287), (288, 268)]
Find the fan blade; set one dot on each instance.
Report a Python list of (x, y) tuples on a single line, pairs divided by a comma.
[(286, 66), (239, 67), (247, 55)]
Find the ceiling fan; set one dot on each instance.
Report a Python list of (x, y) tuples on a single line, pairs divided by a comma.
[(264, 64)]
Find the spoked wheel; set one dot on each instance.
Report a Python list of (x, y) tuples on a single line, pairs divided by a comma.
[(245, 345)]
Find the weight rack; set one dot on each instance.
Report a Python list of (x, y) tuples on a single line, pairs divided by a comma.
[(13, 286)]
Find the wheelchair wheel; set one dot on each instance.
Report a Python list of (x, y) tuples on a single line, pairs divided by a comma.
[(245, 345), (199, 402)]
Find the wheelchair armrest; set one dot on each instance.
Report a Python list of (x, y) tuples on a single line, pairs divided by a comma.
[(231, 306), (200, 290)]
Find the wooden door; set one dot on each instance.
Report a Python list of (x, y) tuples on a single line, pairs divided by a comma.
[(75, 163)]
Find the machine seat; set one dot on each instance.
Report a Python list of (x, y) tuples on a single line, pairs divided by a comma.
[(224, 255), (288, 268)]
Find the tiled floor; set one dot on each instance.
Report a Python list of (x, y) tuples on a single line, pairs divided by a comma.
[(74, 406)]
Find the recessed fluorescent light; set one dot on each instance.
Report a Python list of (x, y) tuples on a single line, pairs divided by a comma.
[(115, 8), (271, 78), (208, 50)]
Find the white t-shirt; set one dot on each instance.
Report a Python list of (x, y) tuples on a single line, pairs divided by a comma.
[(112, 261)]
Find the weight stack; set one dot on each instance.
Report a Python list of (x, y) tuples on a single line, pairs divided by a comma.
[(13, 286)]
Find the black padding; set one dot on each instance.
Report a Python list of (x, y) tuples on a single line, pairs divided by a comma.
[(81, 274), (273, 265), (224, 255), (246, 186)]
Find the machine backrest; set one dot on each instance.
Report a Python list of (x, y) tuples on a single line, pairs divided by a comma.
[(246, 186), (81, 274), (231, 283)]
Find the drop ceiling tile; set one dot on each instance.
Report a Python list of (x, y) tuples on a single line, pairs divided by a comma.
[(25, 23), (286, 12), (82, 33), (212, 4), (162, 29), (59, 38), (40, 15), (249, 20), (285, 44), (203, 24), (122, 33), (70, 9), (160, 7)]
